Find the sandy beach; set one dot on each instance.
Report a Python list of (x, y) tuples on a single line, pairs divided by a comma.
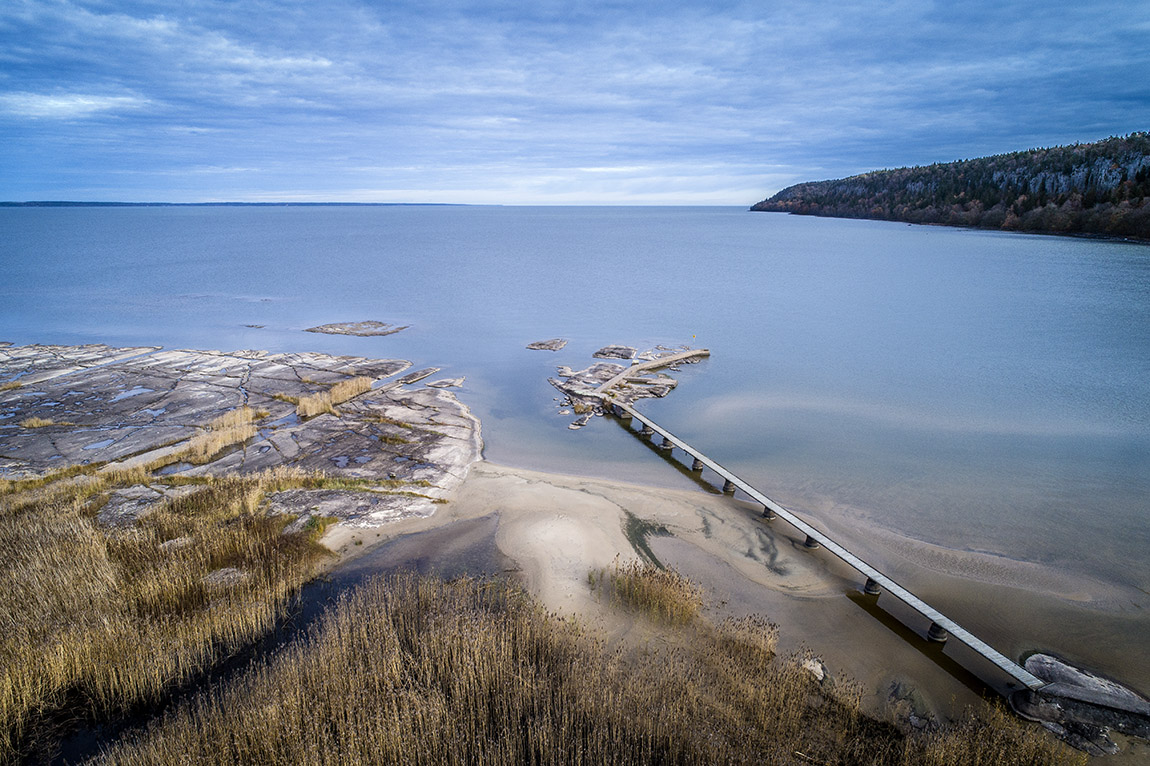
[(551, 530)]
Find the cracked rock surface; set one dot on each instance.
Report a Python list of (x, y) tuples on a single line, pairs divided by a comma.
[(365, 328), (126, 406), (575, 384)]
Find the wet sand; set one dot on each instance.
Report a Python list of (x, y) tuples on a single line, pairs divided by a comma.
[(552, 529)]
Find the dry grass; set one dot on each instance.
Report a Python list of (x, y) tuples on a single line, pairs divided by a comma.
[(103, 621), (663, 594), (11, 385), (418, 671), (230, 428), (43, 423), (325, 401), (384, 420)]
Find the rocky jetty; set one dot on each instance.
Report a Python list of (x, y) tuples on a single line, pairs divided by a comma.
[(584, 390), (63, 406)]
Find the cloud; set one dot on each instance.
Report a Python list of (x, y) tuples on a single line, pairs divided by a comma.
[(766, 93), (65, 106)]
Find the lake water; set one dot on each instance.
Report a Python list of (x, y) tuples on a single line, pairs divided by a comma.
[(974, 390)]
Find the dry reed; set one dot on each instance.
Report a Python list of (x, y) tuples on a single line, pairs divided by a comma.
[(663, 594), (325, 401), (35, 422), (416, 670), (106, 620), (230, 428)]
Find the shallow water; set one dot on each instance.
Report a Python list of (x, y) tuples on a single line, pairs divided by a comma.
[(975, 390)]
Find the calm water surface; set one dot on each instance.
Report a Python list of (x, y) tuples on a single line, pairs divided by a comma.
[(976, 390)]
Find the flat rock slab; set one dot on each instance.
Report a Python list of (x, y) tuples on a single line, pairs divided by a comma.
[(365, 328), (554, 344), (1082, 708), (447, 382), (353, 509), (616, 352), (121, 406), (418, 375)]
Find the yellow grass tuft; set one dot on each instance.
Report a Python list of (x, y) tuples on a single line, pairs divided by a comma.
[(11, 385), (325, 401), (230, 428), (35, 422), (663, 594)]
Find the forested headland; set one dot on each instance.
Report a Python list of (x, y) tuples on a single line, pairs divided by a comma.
[(1100, 188)]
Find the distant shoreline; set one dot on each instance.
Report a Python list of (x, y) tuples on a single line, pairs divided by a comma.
[(67, 203), (941, 224)]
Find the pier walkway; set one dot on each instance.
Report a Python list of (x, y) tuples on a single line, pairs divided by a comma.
[(940, 625)]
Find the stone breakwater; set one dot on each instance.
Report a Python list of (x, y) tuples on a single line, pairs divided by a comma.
[(66, 406)]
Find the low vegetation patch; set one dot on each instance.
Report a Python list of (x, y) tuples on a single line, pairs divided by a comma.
[(325, 401), (43, 423), (662, 594), (11, 385), (383, 419), (230, 428), (102, 621), (415, 670)]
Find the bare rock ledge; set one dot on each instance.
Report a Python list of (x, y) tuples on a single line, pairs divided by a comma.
[(62, 406)]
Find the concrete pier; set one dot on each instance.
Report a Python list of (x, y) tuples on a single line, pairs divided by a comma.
[(667, 443), (697, 465), (941, 627)]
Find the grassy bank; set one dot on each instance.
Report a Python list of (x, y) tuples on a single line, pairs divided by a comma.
[(102, 618), (419, 671)]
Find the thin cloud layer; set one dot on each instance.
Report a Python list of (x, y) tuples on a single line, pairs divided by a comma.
[(606, 102)]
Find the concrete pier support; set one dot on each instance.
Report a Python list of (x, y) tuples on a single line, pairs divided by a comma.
[(667, 443), (811, 543), (646, 430), (728, 487), (937, 633), (621, 413), (768, 514), (871, 588), (697, 465)]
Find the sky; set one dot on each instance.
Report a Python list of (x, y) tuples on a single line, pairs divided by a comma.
[(542, 102)]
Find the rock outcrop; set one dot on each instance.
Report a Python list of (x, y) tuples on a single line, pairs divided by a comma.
[(143, 406)]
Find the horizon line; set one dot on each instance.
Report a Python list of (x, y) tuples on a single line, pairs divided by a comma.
[(97, 203)]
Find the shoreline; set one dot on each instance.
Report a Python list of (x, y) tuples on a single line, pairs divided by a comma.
[(1042, 232), (554, 529)]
